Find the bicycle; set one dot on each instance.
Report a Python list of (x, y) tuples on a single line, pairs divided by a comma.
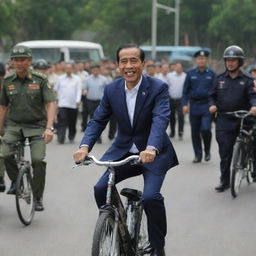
[(243, 155), (24, 188), (119, 231)]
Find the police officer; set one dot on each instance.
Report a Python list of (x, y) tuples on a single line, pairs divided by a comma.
[(2, 167), (233, 90), (41, 66), (30, 102), (197, 86)]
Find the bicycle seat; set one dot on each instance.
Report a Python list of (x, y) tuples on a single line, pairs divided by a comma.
[(132, 194)]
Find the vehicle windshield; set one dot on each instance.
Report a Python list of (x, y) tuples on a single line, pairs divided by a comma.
[(82, 54), (52, 55)]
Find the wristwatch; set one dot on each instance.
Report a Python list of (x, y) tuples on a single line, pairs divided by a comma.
[(50, 128)]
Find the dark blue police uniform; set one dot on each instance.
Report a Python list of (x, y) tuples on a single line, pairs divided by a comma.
[(230, 95), (196, 92)]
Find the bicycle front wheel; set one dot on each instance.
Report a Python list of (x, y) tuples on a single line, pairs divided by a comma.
[(142, 239), (237, 168), (106, 238), (24, 196)]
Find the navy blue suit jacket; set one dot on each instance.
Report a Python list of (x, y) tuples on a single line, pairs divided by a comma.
[(151, 118)]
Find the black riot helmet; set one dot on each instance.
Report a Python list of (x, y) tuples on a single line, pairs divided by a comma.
[(41, 64), (234, 52)]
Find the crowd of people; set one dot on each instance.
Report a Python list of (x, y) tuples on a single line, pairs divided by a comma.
[(120, 92)]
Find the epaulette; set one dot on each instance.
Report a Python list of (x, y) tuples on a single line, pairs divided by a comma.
[(39, 74), (220, 74), (190, 70), (246, 74), (8, 75)]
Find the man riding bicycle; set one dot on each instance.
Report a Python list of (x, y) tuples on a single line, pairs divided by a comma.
[(30, 102), (140, 105), (233, 90)]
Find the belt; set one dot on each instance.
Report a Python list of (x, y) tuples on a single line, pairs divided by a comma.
[(199, 101)]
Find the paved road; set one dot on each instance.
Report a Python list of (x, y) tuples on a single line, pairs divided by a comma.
[(200, 221)]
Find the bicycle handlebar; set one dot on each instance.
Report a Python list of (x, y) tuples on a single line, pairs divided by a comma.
[(239, 113), (93, 160)]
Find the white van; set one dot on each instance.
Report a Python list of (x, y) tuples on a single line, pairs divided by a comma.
[(64, 50)]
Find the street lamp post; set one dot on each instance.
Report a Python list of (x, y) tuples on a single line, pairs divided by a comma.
[(168, 9)]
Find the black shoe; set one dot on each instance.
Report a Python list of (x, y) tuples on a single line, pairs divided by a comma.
[(111, 137), (207, 157), (158, 252), (171, 135), (253, 174), (222, 187), (197, 160), (2, 184), (12, 189), (39, 205)]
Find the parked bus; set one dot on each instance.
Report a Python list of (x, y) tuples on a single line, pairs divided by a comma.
[(64, 50), (173, 53)]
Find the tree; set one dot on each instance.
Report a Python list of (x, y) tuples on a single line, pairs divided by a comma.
[(233, 23)]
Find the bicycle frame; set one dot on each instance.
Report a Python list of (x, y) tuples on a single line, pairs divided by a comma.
[(115, 205)]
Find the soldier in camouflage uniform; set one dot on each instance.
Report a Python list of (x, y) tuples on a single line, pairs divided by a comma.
[(30, 102)]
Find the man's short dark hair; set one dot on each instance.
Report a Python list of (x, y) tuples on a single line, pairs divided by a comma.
[(125, 46)]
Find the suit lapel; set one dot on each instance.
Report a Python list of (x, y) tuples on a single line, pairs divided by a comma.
[(121, 100), (140, 100)]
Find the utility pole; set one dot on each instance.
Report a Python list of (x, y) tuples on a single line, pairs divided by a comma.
[(168, 9)]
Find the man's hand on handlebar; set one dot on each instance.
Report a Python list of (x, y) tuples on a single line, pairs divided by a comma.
[(212, 109), (80, 154), (253, 110), (147, 156)]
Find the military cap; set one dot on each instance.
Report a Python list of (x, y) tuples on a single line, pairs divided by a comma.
[(21, 51), (201, 53), (41, 64)]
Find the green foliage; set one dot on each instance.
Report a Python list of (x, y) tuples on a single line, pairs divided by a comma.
[(211, 23), (233, 23)]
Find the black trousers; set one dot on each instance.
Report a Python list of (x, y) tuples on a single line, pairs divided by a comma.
[(226, 140), (67, 118), (92, 105), (84, 113), (176, 109)]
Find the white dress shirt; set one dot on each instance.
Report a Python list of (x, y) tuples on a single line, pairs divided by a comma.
[(176, 83), (131, 96), (69, 91)]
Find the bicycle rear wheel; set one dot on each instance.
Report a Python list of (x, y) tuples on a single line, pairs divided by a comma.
[(24, 196), (237, 172), (106, 238)]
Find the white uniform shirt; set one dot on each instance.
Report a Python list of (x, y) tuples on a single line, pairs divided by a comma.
[(69, 91), (176, 83)]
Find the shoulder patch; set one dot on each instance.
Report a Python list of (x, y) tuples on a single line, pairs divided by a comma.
[(39, 74), (8, 75)]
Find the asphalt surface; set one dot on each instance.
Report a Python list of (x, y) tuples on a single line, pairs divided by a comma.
[(201, 222)]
